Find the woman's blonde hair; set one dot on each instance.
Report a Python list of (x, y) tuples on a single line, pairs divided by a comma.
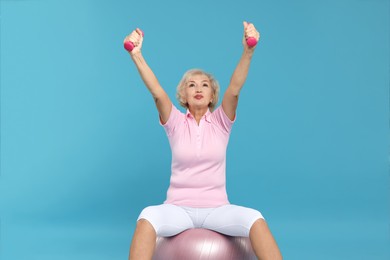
[(184, 80)]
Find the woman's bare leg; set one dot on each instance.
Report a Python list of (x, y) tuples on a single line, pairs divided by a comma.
[(263, 243), (144, 241)]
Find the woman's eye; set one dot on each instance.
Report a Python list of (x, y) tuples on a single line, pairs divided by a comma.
[(191, 85), (205, 85)]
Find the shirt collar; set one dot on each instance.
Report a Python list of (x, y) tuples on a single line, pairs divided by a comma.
[(206, 116)]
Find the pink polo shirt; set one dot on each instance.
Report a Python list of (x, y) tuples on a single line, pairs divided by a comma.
[(198, 177)]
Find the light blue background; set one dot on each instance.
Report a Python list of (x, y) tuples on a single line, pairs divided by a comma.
[(82, 151)]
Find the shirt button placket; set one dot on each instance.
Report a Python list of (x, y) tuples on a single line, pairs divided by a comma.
[(198, 133)]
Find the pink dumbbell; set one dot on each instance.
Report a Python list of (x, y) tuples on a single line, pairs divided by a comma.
[(251, 41), (129, 45)]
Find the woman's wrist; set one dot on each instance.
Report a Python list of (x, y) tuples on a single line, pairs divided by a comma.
[(248, 52), (136, 55)]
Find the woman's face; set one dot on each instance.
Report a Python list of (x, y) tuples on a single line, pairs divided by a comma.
[(198, 92)]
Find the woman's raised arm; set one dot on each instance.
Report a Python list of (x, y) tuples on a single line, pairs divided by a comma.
[(163, 103), (230, 99)]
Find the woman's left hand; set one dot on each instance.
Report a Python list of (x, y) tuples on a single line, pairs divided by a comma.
[(250, 31)]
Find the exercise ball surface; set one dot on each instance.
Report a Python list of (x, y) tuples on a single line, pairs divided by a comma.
[(201, 244)]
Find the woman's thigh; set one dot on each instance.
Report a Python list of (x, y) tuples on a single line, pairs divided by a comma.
[(232, 220), (167, 219)]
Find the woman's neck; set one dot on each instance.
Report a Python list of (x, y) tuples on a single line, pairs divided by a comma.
[(198, 113)]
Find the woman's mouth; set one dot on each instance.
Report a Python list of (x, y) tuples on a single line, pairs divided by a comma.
[(198, 97)]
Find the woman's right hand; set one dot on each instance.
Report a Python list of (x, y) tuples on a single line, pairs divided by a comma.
[(136, 38)]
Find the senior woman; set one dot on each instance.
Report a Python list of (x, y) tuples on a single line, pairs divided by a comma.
[(196, 197)]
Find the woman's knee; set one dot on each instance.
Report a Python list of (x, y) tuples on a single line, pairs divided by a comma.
[(144, 223), (259, 223), (166, 219), (263, 242), (145, 226)]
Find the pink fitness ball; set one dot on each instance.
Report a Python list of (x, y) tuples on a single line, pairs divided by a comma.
[(202, 244)]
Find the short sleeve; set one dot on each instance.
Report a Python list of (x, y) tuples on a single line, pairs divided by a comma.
[(174, 118), (222, 120)]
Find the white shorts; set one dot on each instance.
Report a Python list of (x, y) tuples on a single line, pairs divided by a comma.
[(169, 220)]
